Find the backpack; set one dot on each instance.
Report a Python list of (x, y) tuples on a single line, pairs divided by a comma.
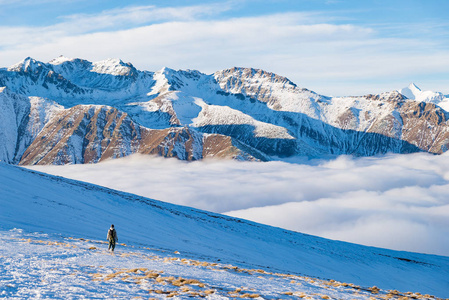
[(111, 234)]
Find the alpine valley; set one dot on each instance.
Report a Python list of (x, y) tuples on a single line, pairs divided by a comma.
[(76, 111)]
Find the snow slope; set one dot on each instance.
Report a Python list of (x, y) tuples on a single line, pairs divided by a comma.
[(412, 91), (21, 120), (37, 265), (36, 202)]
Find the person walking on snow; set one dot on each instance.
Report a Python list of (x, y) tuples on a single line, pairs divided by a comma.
[(112, 237)]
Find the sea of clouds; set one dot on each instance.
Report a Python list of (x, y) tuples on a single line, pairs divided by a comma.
[(394, 201)]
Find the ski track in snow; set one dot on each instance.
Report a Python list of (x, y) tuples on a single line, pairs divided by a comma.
[(37, 265)]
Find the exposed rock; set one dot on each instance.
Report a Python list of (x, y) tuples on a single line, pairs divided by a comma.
[(76, 111), (89, 134)]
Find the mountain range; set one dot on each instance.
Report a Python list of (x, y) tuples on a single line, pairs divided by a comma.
[(76, 111)]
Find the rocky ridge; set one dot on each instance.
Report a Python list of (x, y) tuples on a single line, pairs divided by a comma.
[(76, 111)]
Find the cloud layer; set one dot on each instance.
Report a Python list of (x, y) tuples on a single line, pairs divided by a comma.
[(398, 201), (312, 49)]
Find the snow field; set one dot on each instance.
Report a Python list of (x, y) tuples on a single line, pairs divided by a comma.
[(37, 265), (35, 201)]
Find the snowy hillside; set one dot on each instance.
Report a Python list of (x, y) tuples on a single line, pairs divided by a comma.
[(239, 113), (61, 225)]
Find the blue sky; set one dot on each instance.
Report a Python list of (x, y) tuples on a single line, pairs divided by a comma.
[(332, 47)]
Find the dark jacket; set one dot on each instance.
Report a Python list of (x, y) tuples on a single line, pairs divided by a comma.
[(112, 234)]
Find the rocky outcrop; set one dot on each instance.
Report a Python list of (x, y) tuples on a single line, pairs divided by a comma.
[(89, 134), (76, 111), (426, 126), (84, 134)]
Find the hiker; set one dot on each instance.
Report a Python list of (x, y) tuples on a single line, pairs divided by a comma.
[(112, 237)]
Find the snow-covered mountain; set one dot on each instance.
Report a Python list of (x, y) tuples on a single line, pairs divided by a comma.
[(53, 230), (415, 93), (98, 110)]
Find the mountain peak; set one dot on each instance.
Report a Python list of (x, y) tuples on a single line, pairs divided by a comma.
[(26, 65), (253, 74), (166, 71), (411, 91), (112, 66), (413, 87), (59, 60)]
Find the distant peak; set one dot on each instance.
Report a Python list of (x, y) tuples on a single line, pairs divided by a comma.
[(165, 70), (59, 60), (166, 73), (116, 62), (25, 65), (113, 66), (413, 87), (411, 91), (26, 60), (110, 61), (257, 74)]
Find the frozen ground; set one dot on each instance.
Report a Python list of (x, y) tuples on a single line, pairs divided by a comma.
[(52, 231), (39, 266)]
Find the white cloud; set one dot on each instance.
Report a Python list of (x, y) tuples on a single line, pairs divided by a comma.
[(397, 201), (75, 26), (138, 15), (19, 38), (327, 58)]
